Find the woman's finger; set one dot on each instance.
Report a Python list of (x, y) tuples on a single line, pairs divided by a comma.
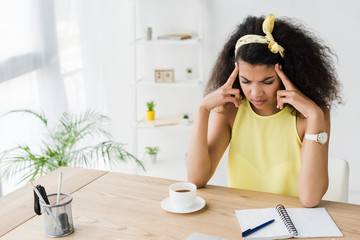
[(284, 96), (231, 91), (281, 101), (233, 76), (285, 80), (278, 99), (234, 100), (292, 97)]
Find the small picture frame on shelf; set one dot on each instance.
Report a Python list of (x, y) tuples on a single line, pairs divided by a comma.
[(164, 75)]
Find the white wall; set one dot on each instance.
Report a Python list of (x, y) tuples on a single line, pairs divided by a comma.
[(332, 21)]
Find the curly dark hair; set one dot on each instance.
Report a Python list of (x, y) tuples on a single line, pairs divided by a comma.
[(308, 62)]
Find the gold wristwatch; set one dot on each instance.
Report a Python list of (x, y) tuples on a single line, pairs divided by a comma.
[(321, 137)]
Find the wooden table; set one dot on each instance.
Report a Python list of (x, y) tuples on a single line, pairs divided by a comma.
[(109, 205)]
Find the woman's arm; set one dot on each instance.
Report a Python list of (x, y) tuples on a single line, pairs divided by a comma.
[(209, 141), (207, 145), (313, 175)]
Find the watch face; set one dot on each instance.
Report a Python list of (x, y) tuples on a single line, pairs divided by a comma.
[(323, 137)]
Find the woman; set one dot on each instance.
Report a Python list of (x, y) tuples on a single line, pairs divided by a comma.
[(272, 106)]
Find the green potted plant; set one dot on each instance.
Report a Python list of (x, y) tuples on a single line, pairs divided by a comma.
[(185, 119), (150, 113), (65, 145), (152, 152), (189, 73)]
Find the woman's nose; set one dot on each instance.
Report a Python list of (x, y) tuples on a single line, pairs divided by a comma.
[(257, 92)]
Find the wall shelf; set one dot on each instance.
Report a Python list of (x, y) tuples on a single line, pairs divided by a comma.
[(192, 41), (143, 82), (161, 54), (171, 121), (142, 125)]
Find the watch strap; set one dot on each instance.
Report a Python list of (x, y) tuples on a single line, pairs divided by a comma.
[(313, 137)]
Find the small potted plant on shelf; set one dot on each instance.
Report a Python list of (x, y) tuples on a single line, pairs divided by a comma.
[(152, 152), (150, 113), (189, 73), (185, 119)]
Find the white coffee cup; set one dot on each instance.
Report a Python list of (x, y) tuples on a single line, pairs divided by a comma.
[(182, 195)]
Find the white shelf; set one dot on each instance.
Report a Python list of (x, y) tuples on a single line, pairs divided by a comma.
[(144, 125), (192, 41), (172, 121), (158, 50), (147, 82)]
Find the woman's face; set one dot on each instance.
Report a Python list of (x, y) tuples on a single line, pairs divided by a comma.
[(260, 84)]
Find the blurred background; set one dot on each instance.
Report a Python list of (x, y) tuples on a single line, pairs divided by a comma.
[(72, 55)]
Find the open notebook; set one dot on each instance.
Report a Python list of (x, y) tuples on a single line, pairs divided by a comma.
[(289, 223)]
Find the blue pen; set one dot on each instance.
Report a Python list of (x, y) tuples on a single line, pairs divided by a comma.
[(251, 230)]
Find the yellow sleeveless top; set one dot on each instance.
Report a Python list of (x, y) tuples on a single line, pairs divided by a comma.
[(264, 152)]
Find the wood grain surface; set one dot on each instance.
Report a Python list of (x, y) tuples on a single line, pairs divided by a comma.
[(122, 206)]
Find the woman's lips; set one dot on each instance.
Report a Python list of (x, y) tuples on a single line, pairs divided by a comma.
[(258, 102)]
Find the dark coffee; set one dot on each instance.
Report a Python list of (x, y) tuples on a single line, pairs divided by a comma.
[(183, 190)]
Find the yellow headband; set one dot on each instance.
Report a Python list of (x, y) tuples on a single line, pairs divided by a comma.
[(268, 26)]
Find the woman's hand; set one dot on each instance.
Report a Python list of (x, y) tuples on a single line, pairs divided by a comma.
[(224, 94), (293, 96)]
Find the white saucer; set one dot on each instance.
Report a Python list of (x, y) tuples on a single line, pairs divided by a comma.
[(198, 204)]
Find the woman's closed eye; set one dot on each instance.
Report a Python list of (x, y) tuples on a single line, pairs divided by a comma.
[(268, 82), (264, 82)]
